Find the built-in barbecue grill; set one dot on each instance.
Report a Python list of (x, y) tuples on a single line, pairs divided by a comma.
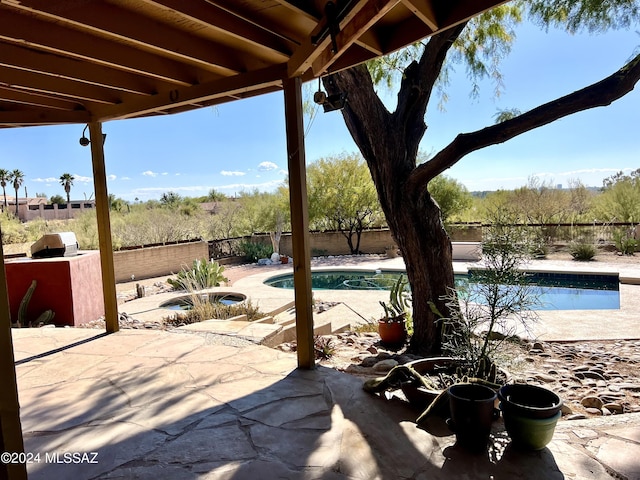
[(62, 244)]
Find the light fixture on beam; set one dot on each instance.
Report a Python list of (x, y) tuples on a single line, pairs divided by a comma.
[(84, 141), (329, 103)]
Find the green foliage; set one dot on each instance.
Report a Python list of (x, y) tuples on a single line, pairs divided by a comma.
[(453, 197), (480, 48), (507, 114), (582, 251), (323, 347), (59, 199), (263, 211), (577, 15), (624, 242), (342, 197), (491, 311), (12, 229), (214, 196), (254, 251), (205, 310), (170, 200), (66, 180), (118, 204), (620, 199), (201, 275), (399, 304)]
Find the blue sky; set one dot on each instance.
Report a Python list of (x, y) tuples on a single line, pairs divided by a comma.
[(241, 146)]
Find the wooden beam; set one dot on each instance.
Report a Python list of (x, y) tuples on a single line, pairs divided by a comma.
[(256, 80), (51, 37), (350, 32), (10, 426), (54, 65), (30, 116), (307, 53), (127, 26), (104, 228), (38, 100), (299, 222), (61, 87), (423, 9), (253, 34)]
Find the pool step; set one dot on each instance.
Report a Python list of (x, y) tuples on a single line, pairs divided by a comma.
[(337, 319)]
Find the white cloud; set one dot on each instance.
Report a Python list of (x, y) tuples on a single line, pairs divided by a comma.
[(45, 180), (266, 166), (111, 177), (149, 173), (125, 178), (283, 172), (83, 179), (228, 173), (164, 173)]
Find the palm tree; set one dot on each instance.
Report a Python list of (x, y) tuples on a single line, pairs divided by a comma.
[(5, 175), (66, 180), (17, 177)]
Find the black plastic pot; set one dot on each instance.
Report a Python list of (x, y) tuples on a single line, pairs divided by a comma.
[(472, 413), (529, 401)]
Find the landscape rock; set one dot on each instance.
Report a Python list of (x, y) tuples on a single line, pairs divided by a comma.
[(592, 402)]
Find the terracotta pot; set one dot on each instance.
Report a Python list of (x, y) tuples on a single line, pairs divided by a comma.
[(392, 332)]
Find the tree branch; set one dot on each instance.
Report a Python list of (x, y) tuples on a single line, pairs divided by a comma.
[(420, 77), (599, 94)]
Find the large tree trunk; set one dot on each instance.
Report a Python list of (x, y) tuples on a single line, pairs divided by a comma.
[(389, 144)]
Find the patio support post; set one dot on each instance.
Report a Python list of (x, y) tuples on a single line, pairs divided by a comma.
[(10, 426), (104, 227), (299, 221)]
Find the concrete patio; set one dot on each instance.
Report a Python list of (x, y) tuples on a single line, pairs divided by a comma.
[(207, 402), (156, 405)]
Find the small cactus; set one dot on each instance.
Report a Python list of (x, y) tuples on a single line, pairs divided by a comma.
[(44, 318), (24, 304)]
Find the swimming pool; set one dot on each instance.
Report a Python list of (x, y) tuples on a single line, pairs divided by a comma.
[(185, 302), (555, 291)]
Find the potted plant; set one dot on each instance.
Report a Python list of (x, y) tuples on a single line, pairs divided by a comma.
[(480, 327), (392, 326)]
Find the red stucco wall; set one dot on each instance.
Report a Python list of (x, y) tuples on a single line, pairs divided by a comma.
[(70, 286)]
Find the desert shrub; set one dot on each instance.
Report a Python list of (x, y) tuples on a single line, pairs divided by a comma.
[(201, 275), (205, 310), (255, 251), (12, 229), (539, 250), (625, 244), (582, 251)]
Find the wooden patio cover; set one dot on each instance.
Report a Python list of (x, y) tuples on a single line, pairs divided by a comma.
[(91, 61)]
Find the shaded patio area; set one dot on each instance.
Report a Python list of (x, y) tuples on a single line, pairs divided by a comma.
[(156, 404)]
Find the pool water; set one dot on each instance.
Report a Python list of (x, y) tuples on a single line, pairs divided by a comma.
[(555, 291), (186, 303)]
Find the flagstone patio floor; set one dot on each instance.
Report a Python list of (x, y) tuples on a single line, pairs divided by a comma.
[(182, 404)]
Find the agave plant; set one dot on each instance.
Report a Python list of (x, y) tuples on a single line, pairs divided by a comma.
[(201, 275)]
